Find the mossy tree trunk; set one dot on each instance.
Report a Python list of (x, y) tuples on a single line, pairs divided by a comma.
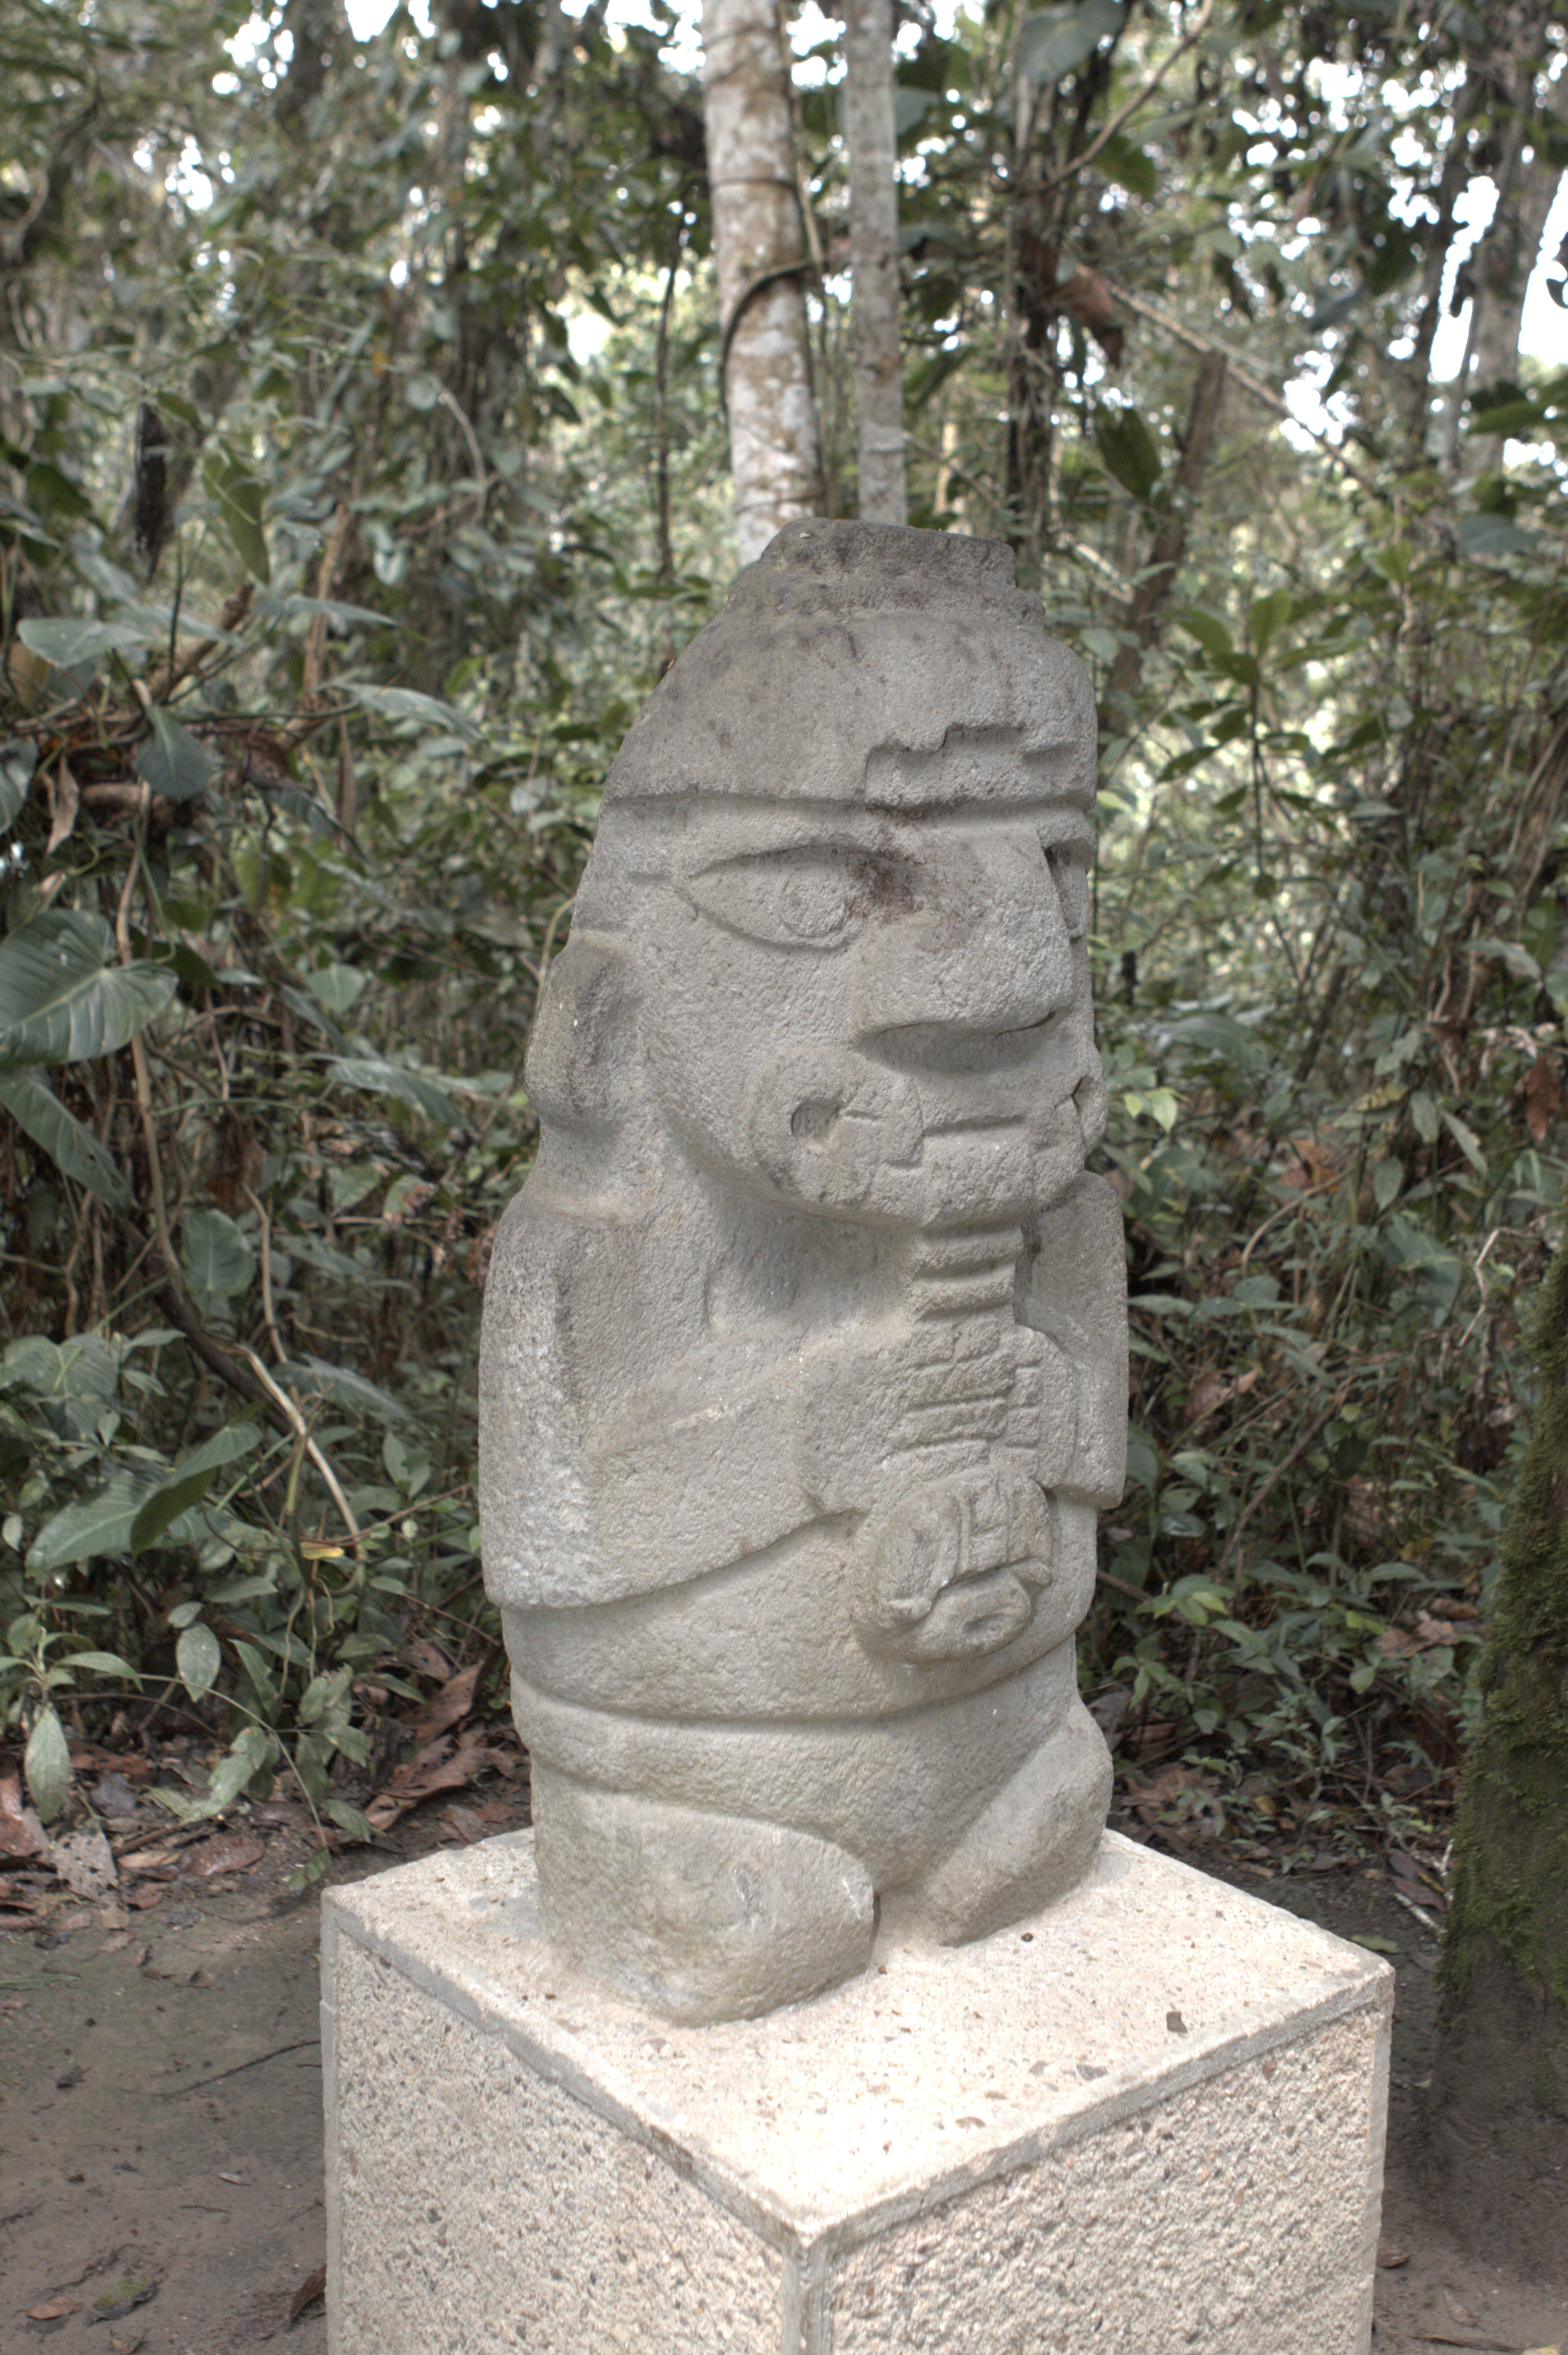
[(1497, 2107)]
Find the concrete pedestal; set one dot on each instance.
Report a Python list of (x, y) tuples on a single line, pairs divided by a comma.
[(1149, 2120)]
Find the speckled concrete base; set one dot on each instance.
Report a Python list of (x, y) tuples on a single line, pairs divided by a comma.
[(1150, 2120)]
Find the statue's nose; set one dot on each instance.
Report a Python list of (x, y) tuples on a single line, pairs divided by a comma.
[(987, 947)]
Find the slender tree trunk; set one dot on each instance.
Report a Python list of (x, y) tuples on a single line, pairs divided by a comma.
[(871, 138), (1417, 369), (1497, 2107), (1158, 576), (1502, 262), (759, 253)]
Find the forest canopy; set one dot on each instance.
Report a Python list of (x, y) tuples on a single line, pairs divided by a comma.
[(363, 464)]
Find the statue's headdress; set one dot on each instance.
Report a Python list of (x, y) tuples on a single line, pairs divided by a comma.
[(855, 662)]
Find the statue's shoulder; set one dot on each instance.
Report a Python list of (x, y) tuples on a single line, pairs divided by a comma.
[(573, 1280), (553, 1222)]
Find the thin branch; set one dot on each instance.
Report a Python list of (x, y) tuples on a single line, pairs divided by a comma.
[(1125, 113), (197, 2084), (1260, 1496), (301, 1429), (1250, 383)]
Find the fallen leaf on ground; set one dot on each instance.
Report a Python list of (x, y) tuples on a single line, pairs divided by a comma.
[(1391, 2258), (160, 1858), (85, 1862), (467, 1826), (232, 1853), (21, 1833), (426, 1660), (452, 1703), (53, 2309), (313, 2286), (126, 2295), (150, 1892), (1430, 1631), (429, 1770), (1411, 1881), (1171, 1783), (112, 1795)]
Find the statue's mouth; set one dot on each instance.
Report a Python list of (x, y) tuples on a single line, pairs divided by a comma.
[(944, 1048)]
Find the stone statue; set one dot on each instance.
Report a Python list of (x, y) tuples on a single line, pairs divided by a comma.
[(805, 1356)]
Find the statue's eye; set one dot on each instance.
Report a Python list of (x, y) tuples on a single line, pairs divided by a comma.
[(1068, 865), (809, 898)]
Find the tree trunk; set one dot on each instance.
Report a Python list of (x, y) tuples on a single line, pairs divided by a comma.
[(1497, 2108), (871, 135), (1158, 576), (765, 362), (1500, 267)]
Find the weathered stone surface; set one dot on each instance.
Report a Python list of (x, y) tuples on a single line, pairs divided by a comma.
[(1148, 2121), (804, 1347)]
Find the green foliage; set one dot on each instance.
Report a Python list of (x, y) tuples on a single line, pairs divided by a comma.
[(320, 617), (358, 480)]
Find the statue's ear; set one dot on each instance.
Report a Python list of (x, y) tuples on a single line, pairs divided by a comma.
[(581, 1057)]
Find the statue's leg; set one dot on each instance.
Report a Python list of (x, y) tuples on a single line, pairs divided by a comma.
[(1027, 1847), (694, 1914)]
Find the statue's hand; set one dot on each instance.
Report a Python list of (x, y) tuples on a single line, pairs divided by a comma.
[(950, 1569)]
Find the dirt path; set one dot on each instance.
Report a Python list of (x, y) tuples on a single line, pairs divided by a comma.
[(162, 2093)]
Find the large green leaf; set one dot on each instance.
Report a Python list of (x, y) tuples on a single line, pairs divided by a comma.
[(79, 1377), (198, 1655), (215, 1254), (345, 1388), (188, 1483), (172, 761), (61, 999), (238, 496), (94, 1525), (1056, 41), (383, 1079), (46, 1763), (70, 643), (1492, 535), (1128, 449), (408, 703), (35, 1109), (254, 1749)]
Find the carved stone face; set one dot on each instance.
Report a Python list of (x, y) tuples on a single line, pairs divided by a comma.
[(878, 1012)]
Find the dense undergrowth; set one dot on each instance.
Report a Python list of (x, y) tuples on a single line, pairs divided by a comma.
[(334, 559)]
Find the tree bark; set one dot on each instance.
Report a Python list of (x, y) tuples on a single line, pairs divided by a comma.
[(871, 137), (1497, 2107), (759, 254)]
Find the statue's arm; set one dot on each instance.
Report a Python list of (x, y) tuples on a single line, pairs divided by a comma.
[(1073, 1289), (613, 1460)]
